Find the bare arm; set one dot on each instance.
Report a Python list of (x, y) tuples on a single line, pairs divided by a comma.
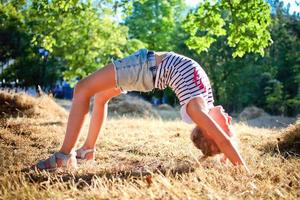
[(197, 112)]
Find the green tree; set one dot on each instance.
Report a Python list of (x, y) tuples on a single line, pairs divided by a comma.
[(284, 55), (274, 97), (77, 33), (80, 37), (13, 39), (15, 45), (270, 82), (244, 23), (154, 22)]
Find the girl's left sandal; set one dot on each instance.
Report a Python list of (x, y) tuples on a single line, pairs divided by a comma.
[(58, 160), (86, 155)]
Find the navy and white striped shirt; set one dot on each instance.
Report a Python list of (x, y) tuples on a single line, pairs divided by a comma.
[(186, 78)]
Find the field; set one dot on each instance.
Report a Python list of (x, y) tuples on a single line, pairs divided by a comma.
[(139, 158)]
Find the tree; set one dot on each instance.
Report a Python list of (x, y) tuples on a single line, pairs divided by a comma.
[(245, 23), (76, 33), (80, 37), (284, 55), (13, 39), (154, 22), (15, 45), (271, 82)]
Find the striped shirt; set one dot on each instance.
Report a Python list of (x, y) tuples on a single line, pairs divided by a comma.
[(186, 78)]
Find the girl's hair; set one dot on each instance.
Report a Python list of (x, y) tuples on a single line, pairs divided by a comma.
[(203, 143)]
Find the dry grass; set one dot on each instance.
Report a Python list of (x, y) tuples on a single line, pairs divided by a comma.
[(288, 144), (140, 158)]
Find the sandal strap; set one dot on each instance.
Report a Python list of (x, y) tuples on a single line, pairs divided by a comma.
[(83, 152)]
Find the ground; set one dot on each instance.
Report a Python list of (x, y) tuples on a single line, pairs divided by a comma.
[(140, 158)]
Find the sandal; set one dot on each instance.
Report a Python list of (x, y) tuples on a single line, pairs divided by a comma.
[(58, 160), (85, 154)]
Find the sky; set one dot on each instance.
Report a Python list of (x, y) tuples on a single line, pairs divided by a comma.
[(293, 8)]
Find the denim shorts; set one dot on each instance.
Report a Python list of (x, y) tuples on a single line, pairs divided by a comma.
[(136, 72)]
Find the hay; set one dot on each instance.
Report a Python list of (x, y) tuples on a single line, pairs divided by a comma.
[(22, 105), (286, 143), (12, 104), (131, 106), (165, 107), (29, 126), (289, 143), (251, 113)]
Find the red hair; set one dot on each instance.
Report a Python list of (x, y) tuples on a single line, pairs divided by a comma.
[(203, 143)]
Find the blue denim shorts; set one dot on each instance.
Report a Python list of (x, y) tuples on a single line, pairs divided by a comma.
[(136, 72)]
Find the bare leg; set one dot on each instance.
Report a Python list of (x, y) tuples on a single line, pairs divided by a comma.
[(99, 115), (101, 80)]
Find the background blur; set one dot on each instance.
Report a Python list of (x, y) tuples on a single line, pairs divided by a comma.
[(251, 51)]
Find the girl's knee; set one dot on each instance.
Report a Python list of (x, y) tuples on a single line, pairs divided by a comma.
[(80, 91), (104, 97)]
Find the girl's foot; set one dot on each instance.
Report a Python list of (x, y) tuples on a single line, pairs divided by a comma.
[(222, 118), (83, 154), (58, 160)]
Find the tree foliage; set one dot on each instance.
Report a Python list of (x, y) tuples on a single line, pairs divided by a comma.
[(79, 36), (75, 32), (13, 38), (271, 82), (154, 22), (245, 23)]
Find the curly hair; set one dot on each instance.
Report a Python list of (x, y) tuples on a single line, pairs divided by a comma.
[(203, 143)]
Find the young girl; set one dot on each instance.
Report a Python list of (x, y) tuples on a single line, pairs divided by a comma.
[(144, 71)]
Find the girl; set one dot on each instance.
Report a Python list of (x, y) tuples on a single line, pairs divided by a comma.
[(144, 71)]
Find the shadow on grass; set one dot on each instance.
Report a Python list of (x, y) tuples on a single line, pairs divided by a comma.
[(58, 123), (82, 180), (50, 123)]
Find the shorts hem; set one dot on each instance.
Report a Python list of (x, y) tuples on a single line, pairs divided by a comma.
[(117, 78)]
